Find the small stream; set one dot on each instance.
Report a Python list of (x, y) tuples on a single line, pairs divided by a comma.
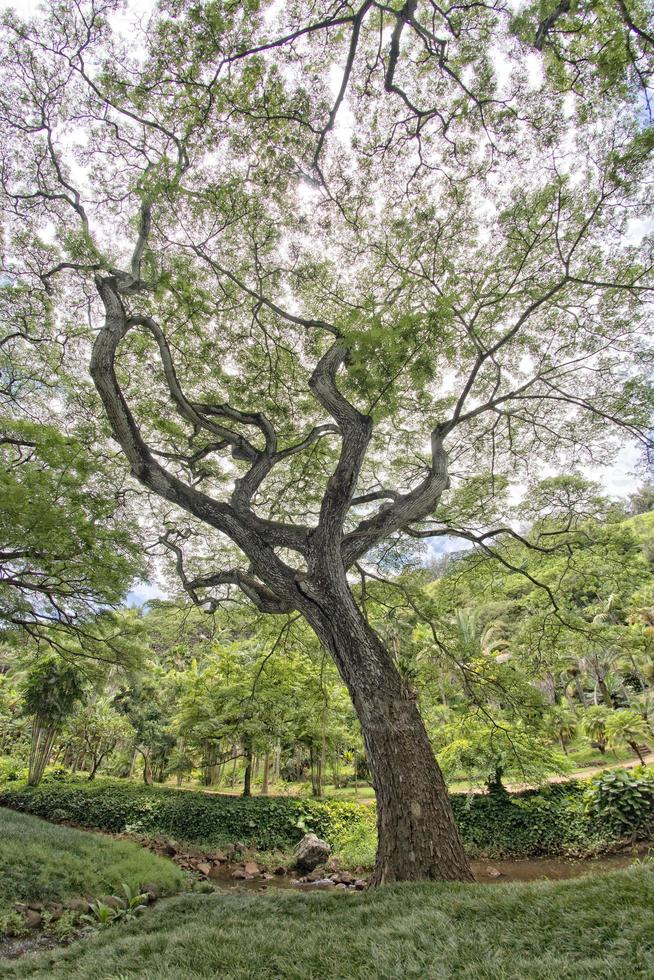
[(553, 868), (486, 872)]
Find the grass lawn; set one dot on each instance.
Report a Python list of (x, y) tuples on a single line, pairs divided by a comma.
[(599, 928), (40, 861)]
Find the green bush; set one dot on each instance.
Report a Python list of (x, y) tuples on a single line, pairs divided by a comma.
[(567, 818), (195, 817), (623, 800), (11, 770), (553, 820)]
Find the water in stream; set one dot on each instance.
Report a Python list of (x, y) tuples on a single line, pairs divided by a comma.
[(529, 869)]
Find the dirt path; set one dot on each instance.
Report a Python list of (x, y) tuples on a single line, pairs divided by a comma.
[(584, 773)]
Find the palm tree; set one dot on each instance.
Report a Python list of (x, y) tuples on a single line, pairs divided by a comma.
[(593, 725), (626, 727), (562, 720)]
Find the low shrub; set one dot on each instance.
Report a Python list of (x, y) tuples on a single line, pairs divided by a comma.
[(12, 770)]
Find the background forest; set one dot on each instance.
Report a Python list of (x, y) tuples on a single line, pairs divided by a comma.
[(528, 663)]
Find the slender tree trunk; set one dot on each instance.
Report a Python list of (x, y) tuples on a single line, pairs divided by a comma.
[(43, 736), (314, 756), (147, 770), (266, 771), (604, 691), (247, 778), (418, 838), (633, 746), (581, 694)]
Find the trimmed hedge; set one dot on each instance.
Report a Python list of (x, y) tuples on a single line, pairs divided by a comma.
[(552, 820), (559, 819), (195, 817)]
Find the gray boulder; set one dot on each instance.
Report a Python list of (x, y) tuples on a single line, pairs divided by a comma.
[(310, 852)]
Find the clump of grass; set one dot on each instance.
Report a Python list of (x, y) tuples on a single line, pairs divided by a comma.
[(44, 862), (590, 928)]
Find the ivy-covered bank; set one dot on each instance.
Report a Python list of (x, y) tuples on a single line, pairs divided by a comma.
[(571, 818)]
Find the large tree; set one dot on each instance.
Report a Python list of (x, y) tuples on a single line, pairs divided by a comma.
[(352, 267)]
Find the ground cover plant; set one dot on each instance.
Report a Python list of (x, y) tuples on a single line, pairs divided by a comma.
[(579, 930), (41, 862)]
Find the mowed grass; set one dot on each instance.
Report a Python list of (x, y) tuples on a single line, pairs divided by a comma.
[(40, 861), (599, 928)]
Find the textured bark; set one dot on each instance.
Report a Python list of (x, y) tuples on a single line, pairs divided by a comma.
[(418, 838)]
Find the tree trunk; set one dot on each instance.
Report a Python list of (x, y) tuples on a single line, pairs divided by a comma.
[(417, 836), (581, 694), (43, 736), (635, 748), (316, 782), (604, 691), (247, 778), (147, 770), (266, 771)]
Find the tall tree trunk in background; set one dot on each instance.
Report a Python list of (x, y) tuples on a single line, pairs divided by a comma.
[(43, 736), (266, 771), (581, 694), (147, 768), (247, 778), (418, 838), (316, 782)]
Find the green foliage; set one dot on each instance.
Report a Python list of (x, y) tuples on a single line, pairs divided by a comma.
[(52, 688), (623, 800), (13, 924), (132, 903), (11, 770), (70, 553)]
